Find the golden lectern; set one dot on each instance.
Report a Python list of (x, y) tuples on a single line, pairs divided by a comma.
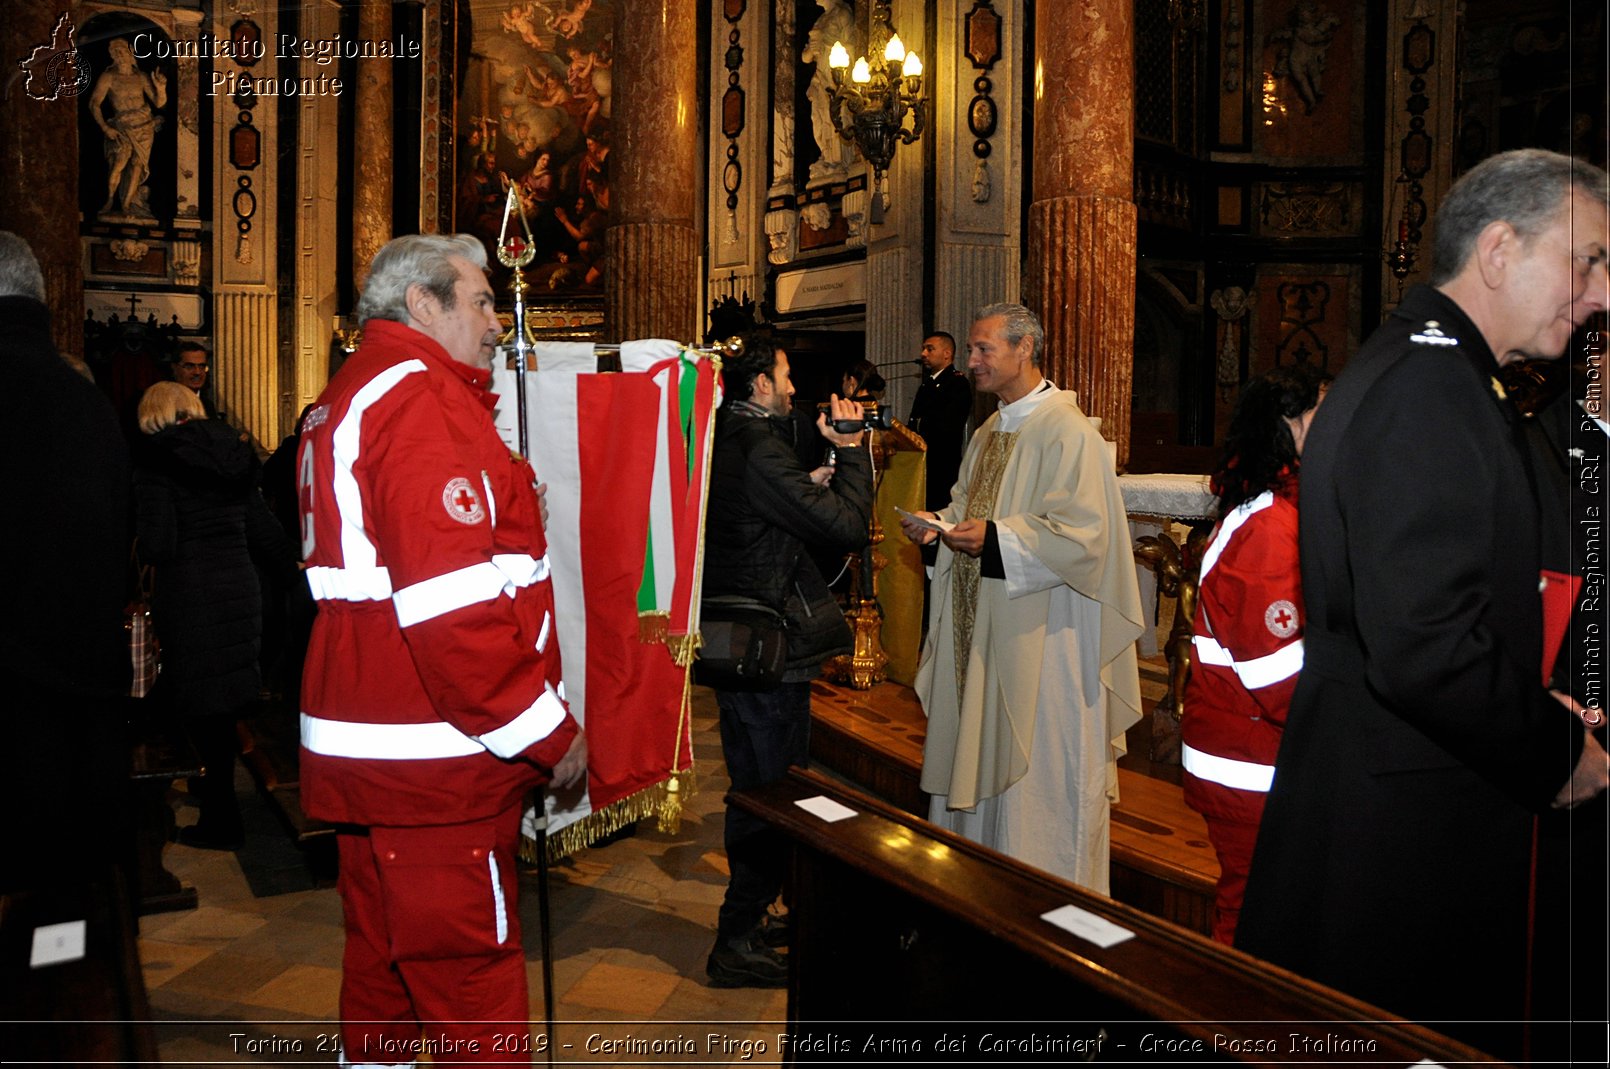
[(885, 609)]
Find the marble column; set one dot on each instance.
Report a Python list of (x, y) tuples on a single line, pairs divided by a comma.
[(1081, 260), (39, 166), (651, 250), (371, 196)]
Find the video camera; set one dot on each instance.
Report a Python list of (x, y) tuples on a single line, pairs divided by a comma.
[(875, 416)]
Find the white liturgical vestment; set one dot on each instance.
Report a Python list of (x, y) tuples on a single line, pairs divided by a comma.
[(1030, 682)]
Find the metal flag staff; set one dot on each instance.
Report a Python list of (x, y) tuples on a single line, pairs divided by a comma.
[(516, 251)]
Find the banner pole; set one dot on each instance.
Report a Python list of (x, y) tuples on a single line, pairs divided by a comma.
[(545, 922)]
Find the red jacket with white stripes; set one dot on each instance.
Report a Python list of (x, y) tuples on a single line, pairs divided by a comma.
[(1246, 653), (432, 690)]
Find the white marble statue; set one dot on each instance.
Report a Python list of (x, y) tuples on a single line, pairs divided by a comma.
[(130, 131), (835, 23)]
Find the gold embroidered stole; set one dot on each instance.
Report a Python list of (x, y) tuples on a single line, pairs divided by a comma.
[(982, 490)]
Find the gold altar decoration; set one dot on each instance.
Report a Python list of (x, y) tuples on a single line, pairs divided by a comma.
[(869, 662), (1177, 571)]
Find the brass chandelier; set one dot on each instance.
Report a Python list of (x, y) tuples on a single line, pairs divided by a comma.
[(878, 97)]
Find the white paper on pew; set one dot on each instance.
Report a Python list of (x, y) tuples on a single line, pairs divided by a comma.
[(56, 943), (1088, 926), (826, 808)]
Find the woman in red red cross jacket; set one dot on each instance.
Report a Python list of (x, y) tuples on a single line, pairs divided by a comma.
[(1247, 647)]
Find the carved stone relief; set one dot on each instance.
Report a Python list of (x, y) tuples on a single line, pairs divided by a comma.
[(1303, 42)]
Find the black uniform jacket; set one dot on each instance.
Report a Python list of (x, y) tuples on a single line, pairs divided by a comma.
[(939, 413), (1393, 857)]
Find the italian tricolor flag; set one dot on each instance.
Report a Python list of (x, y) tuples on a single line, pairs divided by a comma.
[(626, 459)]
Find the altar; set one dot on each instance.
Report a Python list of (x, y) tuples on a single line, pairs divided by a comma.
[(1170, 517)]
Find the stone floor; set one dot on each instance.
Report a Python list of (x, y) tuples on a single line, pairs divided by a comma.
[(251, 976)]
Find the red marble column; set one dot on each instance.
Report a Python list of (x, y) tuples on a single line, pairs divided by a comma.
[(651, 250), (1081, 261), (371, 195), (39, 166)]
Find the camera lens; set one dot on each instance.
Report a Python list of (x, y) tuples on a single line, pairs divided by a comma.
[(873, 415)]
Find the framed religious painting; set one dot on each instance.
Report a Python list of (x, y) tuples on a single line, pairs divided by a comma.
[(531, 112)]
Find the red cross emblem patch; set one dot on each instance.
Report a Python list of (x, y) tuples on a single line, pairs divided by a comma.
[(462, 502), (1281, 619)]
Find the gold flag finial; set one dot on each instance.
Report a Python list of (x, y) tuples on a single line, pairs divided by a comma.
[(518, 249)]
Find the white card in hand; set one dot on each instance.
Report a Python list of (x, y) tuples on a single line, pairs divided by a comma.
[(922, 521)]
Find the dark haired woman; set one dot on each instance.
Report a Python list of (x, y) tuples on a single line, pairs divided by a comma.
[(861, 382), (1248, 646)]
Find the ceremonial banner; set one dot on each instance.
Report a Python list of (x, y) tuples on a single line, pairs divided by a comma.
[(625, 457)]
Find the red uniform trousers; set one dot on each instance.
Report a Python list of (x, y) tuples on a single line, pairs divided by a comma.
[(1233, 841), (433, 948)]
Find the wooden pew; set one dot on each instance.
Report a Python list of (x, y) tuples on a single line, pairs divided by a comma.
[(90, 1010), (269, 748), (903, 934), (1162, 860), (161, 752)]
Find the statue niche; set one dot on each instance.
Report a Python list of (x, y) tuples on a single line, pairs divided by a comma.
[(835, 22), (126, 139)]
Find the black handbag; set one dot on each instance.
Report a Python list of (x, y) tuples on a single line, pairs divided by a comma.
[(743, 643)]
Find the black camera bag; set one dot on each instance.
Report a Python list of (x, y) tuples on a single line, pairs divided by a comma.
[(743, 643)]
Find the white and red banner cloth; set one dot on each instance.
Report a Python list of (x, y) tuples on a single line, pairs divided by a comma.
[(625, 456)]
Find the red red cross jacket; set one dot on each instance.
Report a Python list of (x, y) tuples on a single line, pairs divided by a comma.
[(432, 691), (1247, 651)]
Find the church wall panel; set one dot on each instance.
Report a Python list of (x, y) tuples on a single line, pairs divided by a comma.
[(245, 373), (316, 296)]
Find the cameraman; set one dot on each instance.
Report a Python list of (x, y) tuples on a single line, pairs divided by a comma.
[(764, 507)]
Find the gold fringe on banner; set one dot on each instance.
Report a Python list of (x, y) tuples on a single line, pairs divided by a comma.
[(594, 826), (653, 627), (651, 801), (663, 800)]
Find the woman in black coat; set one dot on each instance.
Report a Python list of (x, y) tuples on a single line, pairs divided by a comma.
[(199, 518)]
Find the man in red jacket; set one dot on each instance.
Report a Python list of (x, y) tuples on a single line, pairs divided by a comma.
[(432, 699)]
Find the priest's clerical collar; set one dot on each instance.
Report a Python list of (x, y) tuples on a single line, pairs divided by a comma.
[(1015, 412)]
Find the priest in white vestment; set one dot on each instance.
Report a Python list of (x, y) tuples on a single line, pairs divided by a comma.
[(1028, 676)]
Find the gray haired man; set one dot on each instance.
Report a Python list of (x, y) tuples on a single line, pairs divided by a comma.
[(1028, 676), (1394, 856)]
